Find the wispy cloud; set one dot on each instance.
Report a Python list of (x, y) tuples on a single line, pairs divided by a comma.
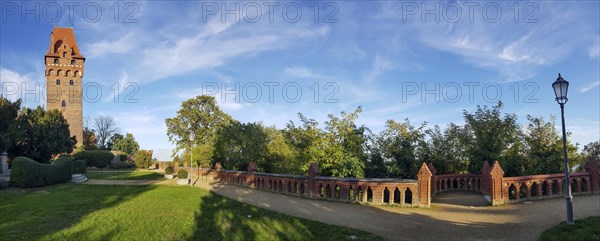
[(380, 66), (302, 72), (516, 50), (590, 87), (106, 47)]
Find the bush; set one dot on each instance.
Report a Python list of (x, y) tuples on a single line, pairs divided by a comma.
[(182, 174), (143, 158), (169, 170), (79, 167), (96, 158), (29, 173), (62, 158), (123, 157)]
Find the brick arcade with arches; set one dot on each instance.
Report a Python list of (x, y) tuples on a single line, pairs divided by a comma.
[(491, 183)]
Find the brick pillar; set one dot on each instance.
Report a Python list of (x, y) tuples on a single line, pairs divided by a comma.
[(591, 167), (377, 194), (313, 172), (485, 178), (528, 191), (250, 176), (424, 186), (433, 179), (496, 174), (344, 192)]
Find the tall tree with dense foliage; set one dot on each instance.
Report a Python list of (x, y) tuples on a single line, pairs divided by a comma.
[(591, 151), (127, 144), (345, 154), (46, 134), (10, 130), (199, 116), (280, 155), (447, 149), (400, 144), (105, 127), (307, 140), (490, 132), (239, 143)]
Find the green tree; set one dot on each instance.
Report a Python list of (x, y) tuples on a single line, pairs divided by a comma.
[(10, 130), (307, 140), (127, 144), (345, 153), (447, 149), (591, 151), (280, 155), (143, 158), (400, 143), (199, 116), (490, 132), (375, 165), (112, 140), (239, 143), (46, 134)]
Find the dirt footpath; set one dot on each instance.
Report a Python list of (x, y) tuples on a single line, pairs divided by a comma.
[(448, 220)]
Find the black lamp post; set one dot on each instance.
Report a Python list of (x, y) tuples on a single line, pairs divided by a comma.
[(560, 90)]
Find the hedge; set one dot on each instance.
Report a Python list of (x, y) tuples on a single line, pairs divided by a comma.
[(96, 158), (79, 167), (182, 174), (169, 170), (29, 173)]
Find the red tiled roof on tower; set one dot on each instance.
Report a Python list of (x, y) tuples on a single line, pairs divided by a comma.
[(60, 35)]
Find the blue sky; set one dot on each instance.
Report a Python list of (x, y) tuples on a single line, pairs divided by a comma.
[(426, 61)]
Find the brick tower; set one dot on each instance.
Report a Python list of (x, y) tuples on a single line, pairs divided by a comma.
[(64, 74)]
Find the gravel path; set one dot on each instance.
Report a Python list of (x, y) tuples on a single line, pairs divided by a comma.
[(447, 219)]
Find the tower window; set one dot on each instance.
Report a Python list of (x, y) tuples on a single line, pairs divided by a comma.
[(55, 61), (64, 103), (58, 82), (70, 82), (64, 54), (72, 62)]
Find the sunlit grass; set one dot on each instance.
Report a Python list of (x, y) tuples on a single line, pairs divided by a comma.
[(584, 229), (124, 175), (94, 212)]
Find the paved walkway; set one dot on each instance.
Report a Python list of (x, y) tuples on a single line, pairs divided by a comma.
[(443, 221)]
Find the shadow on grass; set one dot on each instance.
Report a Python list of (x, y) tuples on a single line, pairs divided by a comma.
[(32, 214), (124, 175), (221, 218)]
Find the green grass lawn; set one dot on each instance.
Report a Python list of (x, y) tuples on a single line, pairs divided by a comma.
[(98, 212), (585, 229), (124, 175)]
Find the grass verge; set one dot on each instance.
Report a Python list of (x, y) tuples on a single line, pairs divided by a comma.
[(97, 212), (583, 229)]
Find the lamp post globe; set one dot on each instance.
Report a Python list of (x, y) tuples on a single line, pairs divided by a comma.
[(561, 87)]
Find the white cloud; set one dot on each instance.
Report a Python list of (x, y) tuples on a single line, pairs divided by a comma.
[(589, 87), (516, 50), (302, 72), (106, 47), (379, 67), (14, 85)]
